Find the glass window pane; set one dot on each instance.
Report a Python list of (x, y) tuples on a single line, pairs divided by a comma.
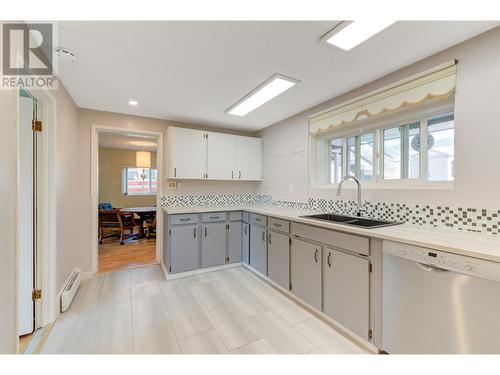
[(351, 156), (441, 149), (335, 160), (154, 180), (366, 157), (392, 153), (413, 150), (141, 180)]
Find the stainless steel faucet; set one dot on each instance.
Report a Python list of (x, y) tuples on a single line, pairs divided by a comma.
[(339, 190)]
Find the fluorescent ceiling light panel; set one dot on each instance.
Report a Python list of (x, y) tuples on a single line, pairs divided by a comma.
[(356, 33), (132, 102), (262, 94)]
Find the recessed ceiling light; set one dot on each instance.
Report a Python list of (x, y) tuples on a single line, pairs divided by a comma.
[(268, 90), (356, 33), (133, 102)]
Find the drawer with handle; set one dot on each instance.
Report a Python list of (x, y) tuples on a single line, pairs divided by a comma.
[(212, 217), (183, 219), (278, 224), (257, 219)]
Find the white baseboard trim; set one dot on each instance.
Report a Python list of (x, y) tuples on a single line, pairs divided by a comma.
[(317, 313), (173, 276)]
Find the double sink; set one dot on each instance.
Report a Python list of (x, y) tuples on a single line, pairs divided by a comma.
[(353, 220)]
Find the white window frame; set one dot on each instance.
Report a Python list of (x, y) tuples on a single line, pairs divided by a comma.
[(125, 182), (320, 150)]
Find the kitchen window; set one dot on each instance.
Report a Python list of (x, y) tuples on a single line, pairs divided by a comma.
[(359, 156), (139, 181), (395, 150)]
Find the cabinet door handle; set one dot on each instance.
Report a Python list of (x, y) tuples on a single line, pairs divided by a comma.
[(277, 225), (246, 229), (239, 174), (269, 237), (232, 174), (263, 234), (194, 232), (205, 231), (175, 172), (316, 256), (214, 217), (328, 260)]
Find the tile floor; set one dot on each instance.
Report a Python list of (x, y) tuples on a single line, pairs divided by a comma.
[(228, 311)]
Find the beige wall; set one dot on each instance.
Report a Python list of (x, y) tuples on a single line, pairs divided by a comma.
[(477, 134), (8, 221), (111, 163), (73, 208)]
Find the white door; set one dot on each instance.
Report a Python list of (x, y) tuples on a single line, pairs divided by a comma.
[(26, 214), (188, 152), (221, 156), (249, 158)]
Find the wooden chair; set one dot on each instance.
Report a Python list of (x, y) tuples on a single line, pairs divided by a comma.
[(127, 222), (108, 220), (150, 226)]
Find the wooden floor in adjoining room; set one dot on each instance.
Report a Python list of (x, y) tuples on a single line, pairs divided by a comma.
[(134, 253), (228, 311)]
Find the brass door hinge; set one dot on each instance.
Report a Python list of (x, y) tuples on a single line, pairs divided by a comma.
[(370, 334), (36, 125), (370, 268), (36, 294)]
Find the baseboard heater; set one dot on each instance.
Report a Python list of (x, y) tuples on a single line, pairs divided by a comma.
[(70, 289)]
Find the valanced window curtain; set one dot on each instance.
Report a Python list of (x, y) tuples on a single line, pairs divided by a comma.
[(432, 85)]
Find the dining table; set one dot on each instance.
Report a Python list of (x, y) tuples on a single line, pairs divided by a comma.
[(143, 213)]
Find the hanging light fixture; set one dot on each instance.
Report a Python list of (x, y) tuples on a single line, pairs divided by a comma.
[(143, 160)]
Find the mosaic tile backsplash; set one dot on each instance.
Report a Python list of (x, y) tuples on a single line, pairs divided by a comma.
[(461, 218)]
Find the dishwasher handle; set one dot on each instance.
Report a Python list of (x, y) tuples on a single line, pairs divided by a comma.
[(429, 268)]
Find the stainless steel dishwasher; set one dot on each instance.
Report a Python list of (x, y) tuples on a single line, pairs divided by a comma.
[(438, 302)]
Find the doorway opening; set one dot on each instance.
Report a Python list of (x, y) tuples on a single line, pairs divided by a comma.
[(128, 199)]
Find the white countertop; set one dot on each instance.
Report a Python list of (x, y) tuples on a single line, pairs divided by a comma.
[(478, 245)]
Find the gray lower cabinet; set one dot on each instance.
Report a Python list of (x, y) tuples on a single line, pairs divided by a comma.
[(245, 242), (234, 241), (305, 276), (258, 249), (278, 258), (213, 245), (346, 289), (183, 248)]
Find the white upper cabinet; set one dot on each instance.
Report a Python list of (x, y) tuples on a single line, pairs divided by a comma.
[(221, 156), (196, 154), (188, 153), (249, 158)]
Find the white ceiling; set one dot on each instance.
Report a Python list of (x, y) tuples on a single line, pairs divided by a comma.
[(194, 71), (122, 141)]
